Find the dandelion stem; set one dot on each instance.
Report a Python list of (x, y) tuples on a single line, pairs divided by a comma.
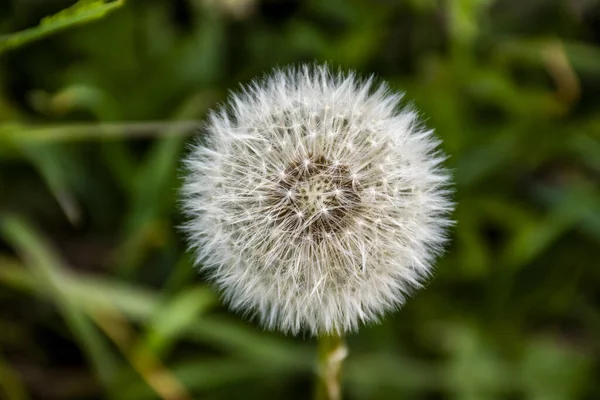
[(331, 355)]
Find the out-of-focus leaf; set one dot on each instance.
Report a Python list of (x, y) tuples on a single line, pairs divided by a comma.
[(588, 150), (242, 340), (494, 87), (142, 359), (10, 383), (155, 188), (567, 210), (550, 371), (584, 57), (85, 97), (21, 134), (46, 267), (579, 203), (182, 273), (464, 19), (205, 374), (53, 165), (97, 294), (104, 295), (479, 162), (472, 246), (162, 161), (173, 319), (474, 369), (369, 372), (82, 12)]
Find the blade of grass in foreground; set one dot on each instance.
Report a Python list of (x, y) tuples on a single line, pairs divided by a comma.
[(140, 305), (82, 12), (46, 267), (10, 383), (154, 185), (174, 318), (142, 359)]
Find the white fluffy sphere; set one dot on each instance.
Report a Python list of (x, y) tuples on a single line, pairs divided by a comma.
[(315, 203)]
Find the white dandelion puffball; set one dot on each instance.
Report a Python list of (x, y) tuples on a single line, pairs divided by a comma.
[(314, 202)]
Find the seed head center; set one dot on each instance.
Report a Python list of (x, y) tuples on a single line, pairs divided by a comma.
[(314, 197), (315, 194)]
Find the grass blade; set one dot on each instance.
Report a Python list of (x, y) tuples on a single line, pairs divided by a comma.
[(46, 267), (81, 12)]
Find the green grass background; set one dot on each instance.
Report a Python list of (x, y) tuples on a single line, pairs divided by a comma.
[(98, 298)]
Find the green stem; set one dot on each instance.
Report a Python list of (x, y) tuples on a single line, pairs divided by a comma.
[(331, 355)]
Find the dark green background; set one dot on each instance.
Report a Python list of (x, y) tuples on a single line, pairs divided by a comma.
[(98, 298)]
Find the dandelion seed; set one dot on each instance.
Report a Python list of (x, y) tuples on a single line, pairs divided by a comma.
[(326, 216)]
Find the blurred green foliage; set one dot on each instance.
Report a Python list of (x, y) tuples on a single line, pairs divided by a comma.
[(98, 297)]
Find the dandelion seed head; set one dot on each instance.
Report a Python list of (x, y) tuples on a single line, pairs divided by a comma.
[(315, 202)]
